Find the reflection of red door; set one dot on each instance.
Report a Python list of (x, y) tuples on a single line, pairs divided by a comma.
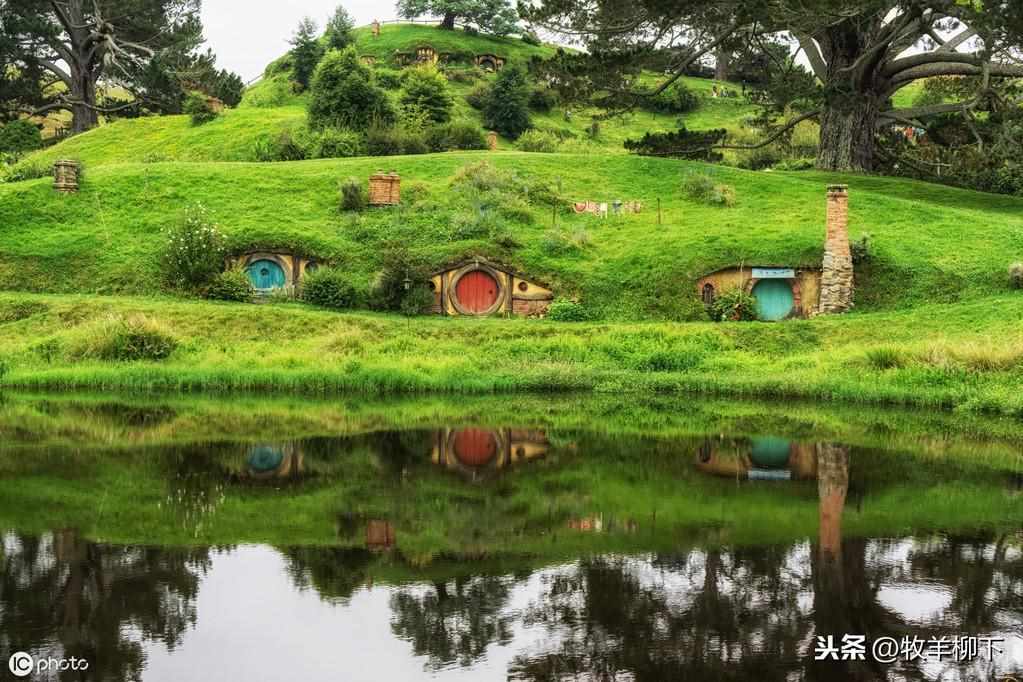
[(477, 292), (475, 447)]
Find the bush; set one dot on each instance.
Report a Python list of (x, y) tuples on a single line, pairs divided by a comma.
[(353, 195), (388, 79), (345, 94), (288, 145), (702, 188), (543, 99), (426, 88), (418, 301), (334, 143), (530, 38), (20, 136), (478, 96), (676, 99), (455, 136), (538, 141), (389, 292), (193, 252), (124, 339), (383, 141), (734, 305), (199, 108), (564, 310), (861, 250), (328, 288), (1016, 275), (506, 107), (231, 285), (885, 357)]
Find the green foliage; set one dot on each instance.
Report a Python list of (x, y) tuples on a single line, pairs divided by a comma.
[(497, 17), (287, 145), (530, 38), (566, 310), (334, 143), (682, 143), (860, 248), (344, 94), (506, 106), (704, 189), (426, 88), (885, 357), (1016, 276), (339, 29), (193, 251), (538, 141), (543, 99), (228, 87), (21, 310), (306, 52), (20, 136), (121, 338), (458, 135), (734, 305), (231, 285), (393, 141), (418, 301), (199, 108), (353, 195), (478, 97), (328, 288), (397, 282), (676, 99)]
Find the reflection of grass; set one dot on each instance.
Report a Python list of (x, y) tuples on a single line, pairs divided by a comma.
[(640, 471)]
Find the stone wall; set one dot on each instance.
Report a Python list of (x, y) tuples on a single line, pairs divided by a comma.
[(837, 269)]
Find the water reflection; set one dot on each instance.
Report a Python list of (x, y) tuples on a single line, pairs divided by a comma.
[(763, 458), (479, 453)]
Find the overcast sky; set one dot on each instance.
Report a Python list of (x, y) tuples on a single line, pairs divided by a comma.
[(248, 36)]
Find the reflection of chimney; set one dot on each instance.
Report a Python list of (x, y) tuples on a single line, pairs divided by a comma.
[(832, 486), (837, 275)]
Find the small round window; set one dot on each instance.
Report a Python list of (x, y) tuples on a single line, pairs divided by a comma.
[(523, 286)]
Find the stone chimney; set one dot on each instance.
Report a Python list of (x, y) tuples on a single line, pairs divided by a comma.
[(837, 275), (65, 176)]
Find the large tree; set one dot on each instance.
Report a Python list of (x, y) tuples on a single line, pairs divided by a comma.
[(60, 51), (861, 51), (490, 16)]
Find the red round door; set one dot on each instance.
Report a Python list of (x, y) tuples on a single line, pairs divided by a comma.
[(475, 447), (477, 292)]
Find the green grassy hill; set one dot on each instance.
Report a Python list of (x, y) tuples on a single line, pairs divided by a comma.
[(271, 107)]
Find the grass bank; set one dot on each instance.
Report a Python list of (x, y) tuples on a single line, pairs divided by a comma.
[(967, 356)]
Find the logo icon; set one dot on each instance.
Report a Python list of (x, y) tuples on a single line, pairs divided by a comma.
[(21, 664)]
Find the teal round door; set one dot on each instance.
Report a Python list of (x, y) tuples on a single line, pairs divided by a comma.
[(770, 453), (266, 274), (774, 299)]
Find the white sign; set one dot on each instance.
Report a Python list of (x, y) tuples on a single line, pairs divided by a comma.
[(774, 273)]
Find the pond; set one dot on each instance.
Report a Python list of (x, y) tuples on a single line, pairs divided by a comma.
[(498, 538)]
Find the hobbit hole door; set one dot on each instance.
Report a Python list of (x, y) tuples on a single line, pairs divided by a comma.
[(475, 447), (477, 292), (266, 275), (774, 299)]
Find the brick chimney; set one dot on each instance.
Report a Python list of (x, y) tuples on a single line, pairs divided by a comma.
[(837, 275)]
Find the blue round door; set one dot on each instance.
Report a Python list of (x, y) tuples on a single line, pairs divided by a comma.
[(266, 275), (774, 299)]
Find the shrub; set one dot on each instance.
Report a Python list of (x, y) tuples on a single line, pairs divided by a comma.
[(861, 250), (530, 38), (676, 99), (564, 310), (20, 136), (231, 285), (506, 107), (388, 79), (193, 251), (702, 188), (328, 288), (339, 29), (1016, 275), (383, 141), (538, 141), (425, 87), (456, 135), (389, 292), (17, 311), (734, 305), (477, 98), (288, 145), (353, 195), (335, 143), (345, 95), (199, 108), (543, 99), (306, 52), (124, 339), (417, 301), (885, 357)]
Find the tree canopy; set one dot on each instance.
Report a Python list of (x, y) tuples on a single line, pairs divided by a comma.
[(862, 52), (490, 16), (56, 53), (339, 29)]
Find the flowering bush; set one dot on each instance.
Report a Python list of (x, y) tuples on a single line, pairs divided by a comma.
[(194, 251)]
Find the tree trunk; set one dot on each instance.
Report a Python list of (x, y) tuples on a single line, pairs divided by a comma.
[(722, 65), (847, 134), (448, 22), (84, 94)]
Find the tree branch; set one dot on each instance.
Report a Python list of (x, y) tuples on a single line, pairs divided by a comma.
[(56, 71), (813, 55), (900, 65), (952, 69)]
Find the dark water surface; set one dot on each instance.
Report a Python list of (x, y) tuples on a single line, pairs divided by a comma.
[(423, 541)]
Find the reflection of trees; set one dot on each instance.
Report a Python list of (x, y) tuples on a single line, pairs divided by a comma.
[(753, 613), (454, 621), (335, 573), (80, 598)]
